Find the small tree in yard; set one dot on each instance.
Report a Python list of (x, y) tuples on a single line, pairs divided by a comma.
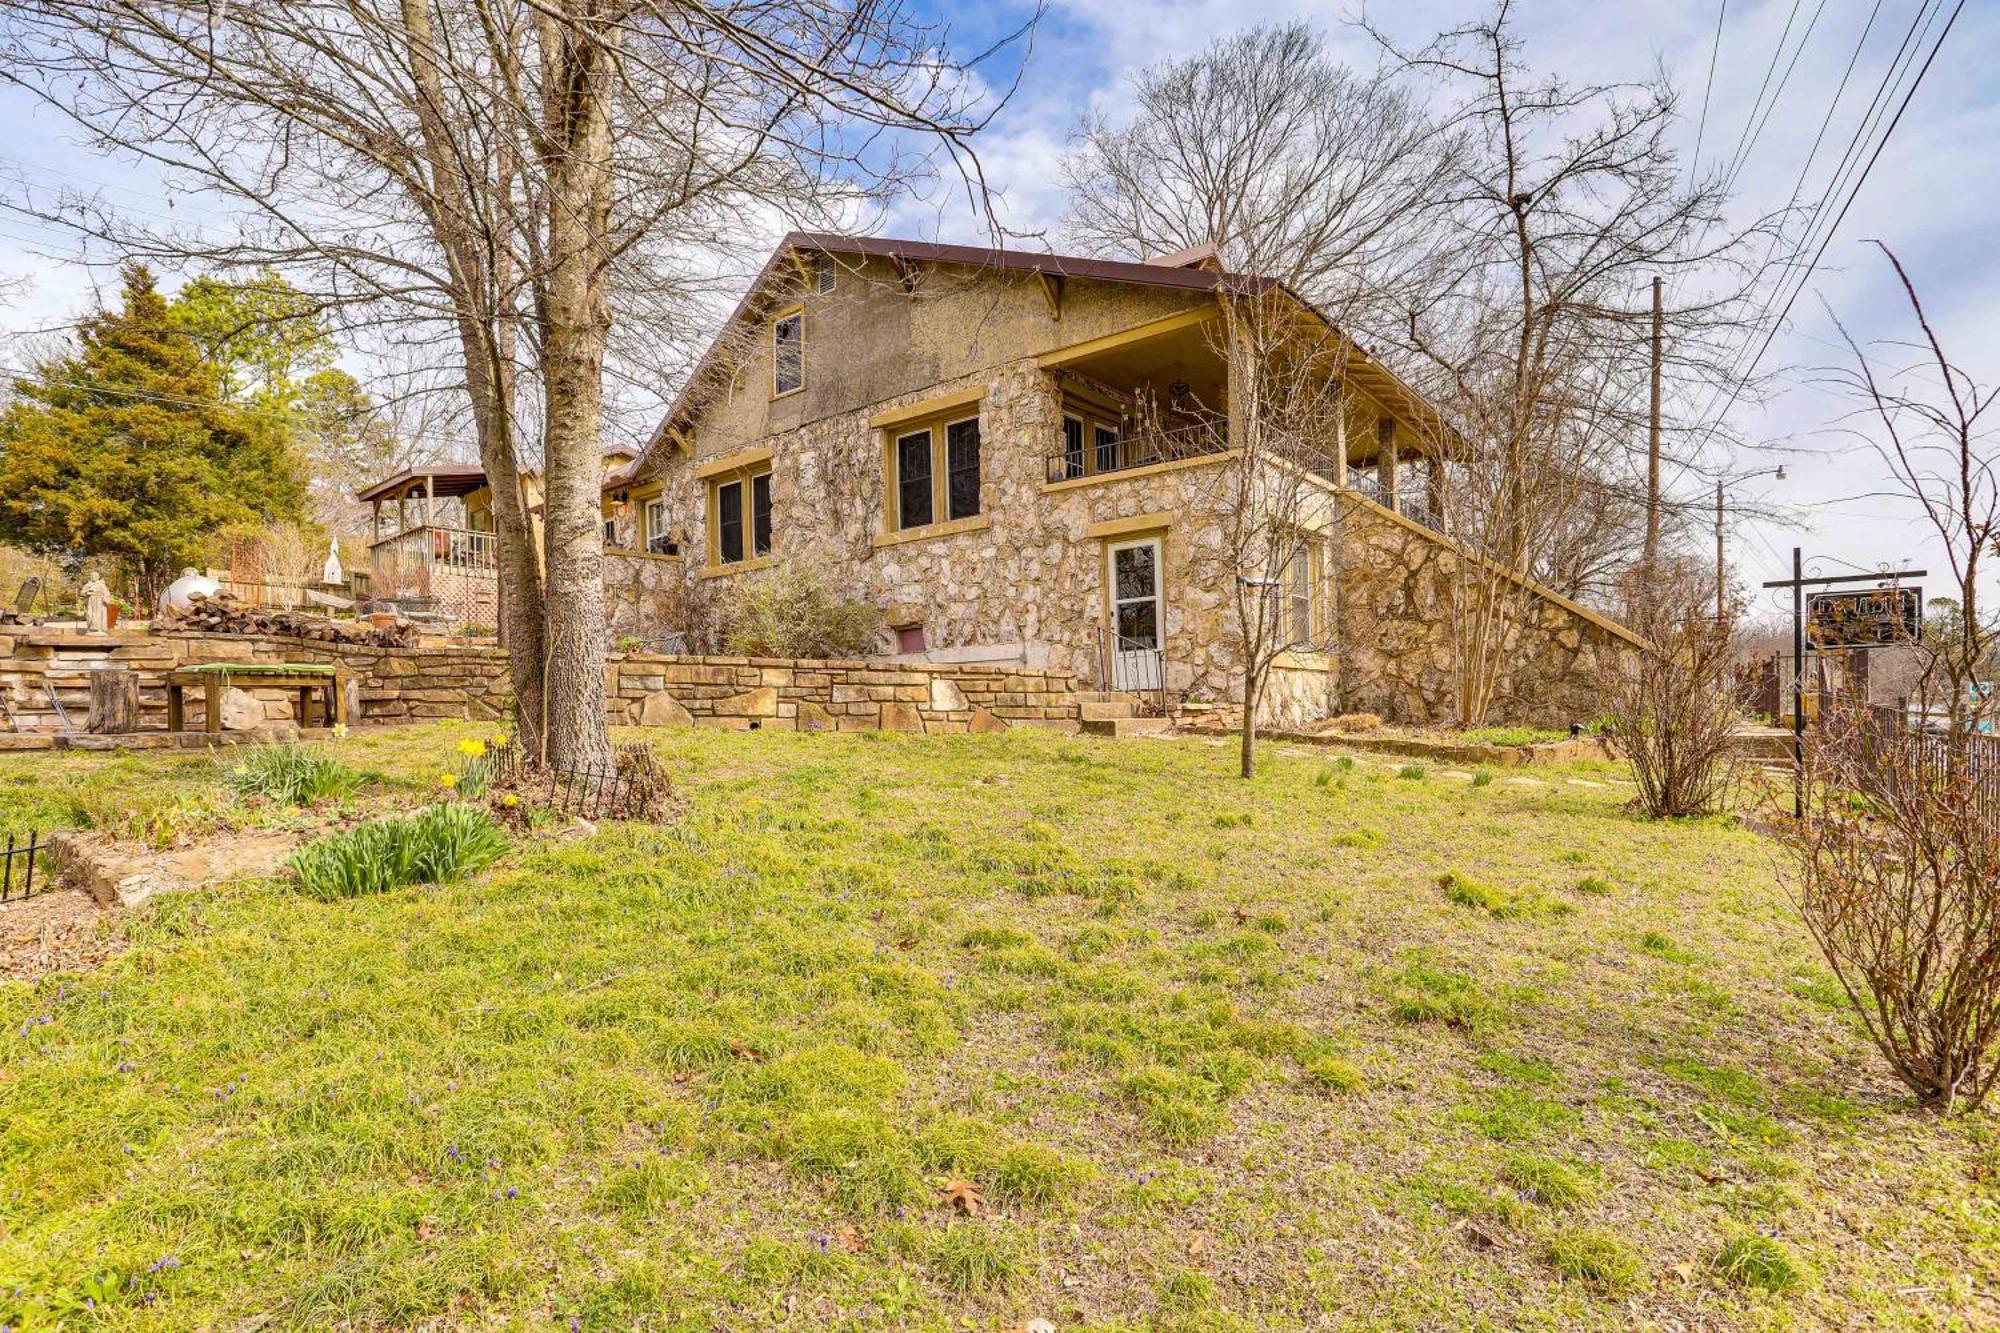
[(1896, 862), (1672, 704)]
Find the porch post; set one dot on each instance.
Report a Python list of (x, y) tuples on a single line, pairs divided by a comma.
[(1385, 462), (1340, 437)]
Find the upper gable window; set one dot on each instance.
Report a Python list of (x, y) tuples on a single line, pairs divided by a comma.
[(788, 353), (824, 273)]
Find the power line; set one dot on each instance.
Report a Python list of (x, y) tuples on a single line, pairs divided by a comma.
[(1708, 89)]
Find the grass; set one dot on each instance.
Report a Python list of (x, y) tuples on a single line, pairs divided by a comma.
[(720, 1074), (291, 775)]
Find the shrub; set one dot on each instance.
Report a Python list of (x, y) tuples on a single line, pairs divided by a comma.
[(1903, 897), (1673, 707), (434, 846), (288, 774), (793, 611), (1751, 1260)]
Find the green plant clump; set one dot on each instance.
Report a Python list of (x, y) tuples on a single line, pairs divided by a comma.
[(433, 846), (289, 774), (1751, 1260)]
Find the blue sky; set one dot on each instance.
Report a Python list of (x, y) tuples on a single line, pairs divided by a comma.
[(1931, 196)]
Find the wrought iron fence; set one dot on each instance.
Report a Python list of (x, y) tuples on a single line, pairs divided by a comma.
[(1132, 666), (1890, 753), (1409, 506), (619, 789), (1092, 459), (17, 884)]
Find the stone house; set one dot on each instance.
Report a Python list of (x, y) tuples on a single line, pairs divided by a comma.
[(1012, 456)]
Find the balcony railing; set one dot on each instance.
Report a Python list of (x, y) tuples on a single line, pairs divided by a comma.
[(1404, 503), (1092, 459)]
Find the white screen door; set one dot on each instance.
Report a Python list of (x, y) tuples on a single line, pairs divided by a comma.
[(1135, 613)]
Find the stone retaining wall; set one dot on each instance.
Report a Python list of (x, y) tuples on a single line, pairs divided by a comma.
[(470, 681), (741, 693)]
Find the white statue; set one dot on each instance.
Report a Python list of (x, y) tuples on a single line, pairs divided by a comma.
[(333, 575), (97, 605)]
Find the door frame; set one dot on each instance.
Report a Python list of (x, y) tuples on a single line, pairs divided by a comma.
[(1120, 679)]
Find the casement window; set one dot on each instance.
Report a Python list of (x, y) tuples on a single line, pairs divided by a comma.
[(1300, 590), (654, 533), (935, 473), (740, 516), (1092, 442), (1106, 441), (788, 353)]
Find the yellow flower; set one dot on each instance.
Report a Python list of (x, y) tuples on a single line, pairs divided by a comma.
[(509, 799), (500, 741), (340, 731), (242, 770), (447, 780), (472, 749)]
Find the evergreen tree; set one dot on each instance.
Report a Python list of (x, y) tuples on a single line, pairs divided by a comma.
[(125, 448)]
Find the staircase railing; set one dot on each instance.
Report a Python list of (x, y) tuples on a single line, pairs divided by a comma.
[(1150, 658)]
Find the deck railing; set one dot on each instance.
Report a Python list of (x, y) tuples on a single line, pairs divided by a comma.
[(443, 575), (1408, 505), (1139, 450)]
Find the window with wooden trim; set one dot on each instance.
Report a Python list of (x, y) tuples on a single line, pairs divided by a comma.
[(788, 353), (740, 516), (1093, 440), (1301, 592), (935, 473), (654, 532), (1073, 429), (825, 272)]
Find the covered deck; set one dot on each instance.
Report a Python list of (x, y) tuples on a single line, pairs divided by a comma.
[(437, 561)]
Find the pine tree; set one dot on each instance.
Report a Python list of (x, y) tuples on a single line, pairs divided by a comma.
[(126, 449)]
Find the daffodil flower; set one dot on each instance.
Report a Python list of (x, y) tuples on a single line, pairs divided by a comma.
[(472, 749), (447, 780)]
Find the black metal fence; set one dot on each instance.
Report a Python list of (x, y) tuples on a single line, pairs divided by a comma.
[(1888, 748), (624, 788), (19, 881)]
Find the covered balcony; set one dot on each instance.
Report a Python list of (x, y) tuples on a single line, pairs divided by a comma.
[(1158, 394), (435, 560)]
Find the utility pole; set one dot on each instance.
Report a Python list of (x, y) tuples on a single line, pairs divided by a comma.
[(1721, 579), (1653, 436)]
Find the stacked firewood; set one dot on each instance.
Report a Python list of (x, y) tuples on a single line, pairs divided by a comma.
[(223, 614)]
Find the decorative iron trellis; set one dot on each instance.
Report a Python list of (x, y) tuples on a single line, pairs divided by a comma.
[(614, 790)]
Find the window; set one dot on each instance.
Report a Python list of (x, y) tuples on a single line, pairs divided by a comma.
[(935, 474), (1299, 619), (1106, 440), (913, 480), (788, 353), (739, 512), (962, 460), (611, 532), (654, 533), (760, 514), (1072, 448), (824, 273), (729, 523)]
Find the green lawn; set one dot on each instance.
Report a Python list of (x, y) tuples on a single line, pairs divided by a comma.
[(1211, 1055)]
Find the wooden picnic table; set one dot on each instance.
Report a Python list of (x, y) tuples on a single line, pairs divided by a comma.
[(213, 678)]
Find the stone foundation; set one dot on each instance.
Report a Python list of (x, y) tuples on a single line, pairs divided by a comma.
[(742, 693), (641, 689)]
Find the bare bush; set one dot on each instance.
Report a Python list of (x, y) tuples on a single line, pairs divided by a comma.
[(1674, 706), (793, 611), (1897, 874)]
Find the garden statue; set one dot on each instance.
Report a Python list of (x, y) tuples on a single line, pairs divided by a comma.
[(97, 605)]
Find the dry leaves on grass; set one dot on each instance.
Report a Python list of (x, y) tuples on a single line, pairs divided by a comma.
[(52, 932), (962, 1196)]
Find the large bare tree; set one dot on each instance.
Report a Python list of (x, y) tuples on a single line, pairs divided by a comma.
[(519, 178), (1564, 202)]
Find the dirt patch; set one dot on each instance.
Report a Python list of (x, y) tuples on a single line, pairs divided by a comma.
[(63, 930)]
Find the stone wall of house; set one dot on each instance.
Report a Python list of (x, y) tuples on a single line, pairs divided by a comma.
[(645, 596), (745, 693), (1398, 603), (1027, 577)]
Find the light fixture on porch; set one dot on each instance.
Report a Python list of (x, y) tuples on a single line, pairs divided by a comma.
[(1177, 392)]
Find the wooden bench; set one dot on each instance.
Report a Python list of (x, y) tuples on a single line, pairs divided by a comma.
[(213, 678)]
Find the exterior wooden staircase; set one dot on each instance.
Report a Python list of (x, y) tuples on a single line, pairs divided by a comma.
[(1117, 713)]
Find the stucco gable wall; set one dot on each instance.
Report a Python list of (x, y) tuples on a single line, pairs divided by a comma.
[(870, 343)]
